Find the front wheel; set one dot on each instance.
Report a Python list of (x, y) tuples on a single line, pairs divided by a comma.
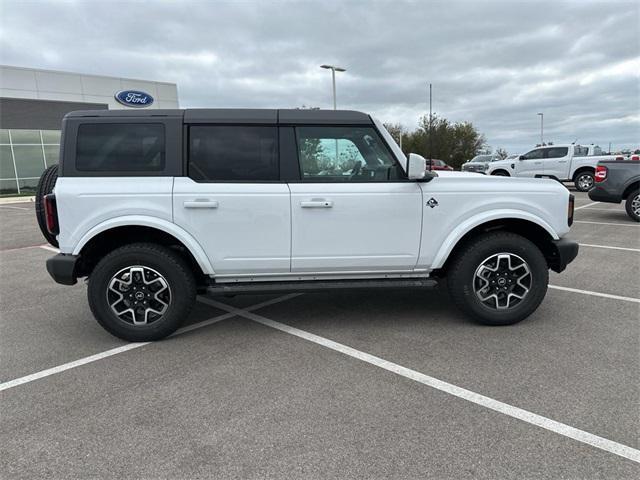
[(498, 278), (141, 292), (584, 181), (632, 205)]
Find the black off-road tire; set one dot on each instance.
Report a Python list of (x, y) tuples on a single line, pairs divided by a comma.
[(462, 270), (164, 261), (632, 204), (500, 173), (45, 187)]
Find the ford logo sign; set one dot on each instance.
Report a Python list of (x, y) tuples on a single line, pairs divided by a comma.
[(134, 98)]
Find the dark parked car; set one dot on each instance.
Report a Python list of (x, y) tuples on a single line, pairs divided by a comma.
[(617, 181)]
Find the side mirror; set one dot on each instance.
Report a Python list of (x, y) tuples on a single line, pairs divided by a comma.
[(416, 167), (521, 157)]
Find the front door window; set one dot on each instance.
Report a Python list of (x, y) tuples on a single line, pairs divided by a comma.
[(344, 154)]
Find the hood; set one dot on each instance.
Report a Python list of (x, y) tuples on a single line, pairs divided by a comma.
[(450, 173)]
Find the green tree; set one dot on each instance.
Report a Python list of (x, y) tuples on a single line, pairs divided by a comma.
[(395, 129), (501, 153), (455, 143)]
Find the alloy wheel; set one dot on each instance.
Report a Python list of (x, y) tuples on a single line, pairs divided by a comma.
[(585, 181), (502, 281), (138, 295)]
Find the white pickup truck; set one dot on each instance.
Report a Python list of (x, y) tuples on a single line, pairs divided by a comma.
[(155, 206), (564, 163)]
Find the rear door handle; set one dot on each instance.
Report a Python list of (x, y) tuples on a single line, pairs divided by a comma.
[(201, 204), (317, 204)]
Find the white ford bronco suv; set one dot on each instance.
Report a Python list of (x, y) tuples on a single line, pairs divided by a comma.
[(155, 206)]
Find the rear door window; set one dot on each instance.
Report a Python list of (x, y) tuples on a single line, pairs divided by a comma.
[(233, 153), (557, 152), (120, 147)]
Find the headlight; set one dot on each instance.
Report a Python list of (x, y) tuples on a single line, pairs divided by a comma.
[(483, 166)]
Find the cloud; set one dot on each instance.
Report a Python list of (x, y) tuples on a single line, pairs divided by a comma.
[(494, 63)]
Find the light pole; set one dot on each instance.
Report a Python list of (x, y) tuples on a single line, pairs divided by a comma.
[(541, 128), (334, 69)]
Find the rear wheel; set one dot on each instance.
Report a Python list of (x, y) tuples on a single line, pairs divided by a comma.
[(498, 278), (632, 205), (584, 181), (141, 292), (45, 187)]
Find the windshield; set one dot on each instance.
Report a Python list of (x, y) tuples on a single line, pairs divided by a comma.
[(482, 158)]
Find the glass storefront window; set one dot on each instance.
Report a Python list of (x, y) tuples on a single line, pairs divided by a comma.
[(8, 187), (28, 150), (25, 136), (52, 154), (51, 137), (6, 162), (29, 160), (28, 185)]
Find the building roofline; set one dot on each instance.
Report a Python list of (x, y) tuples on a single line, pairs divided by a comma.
[(67, 72)]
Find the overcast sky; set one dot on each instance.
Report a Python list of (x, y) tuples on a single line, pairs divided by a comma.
[(495, 64)]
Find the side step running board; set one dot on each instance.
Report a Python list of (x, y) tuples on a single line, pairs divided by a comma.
[(318, 286)]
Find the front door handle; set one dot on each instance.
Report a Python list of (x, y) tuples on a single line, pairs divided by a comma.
[(317, 204), (201, 204)]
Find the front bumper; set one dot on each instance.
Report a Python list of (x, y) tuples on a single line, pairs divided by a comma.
[(473, 170), (600, 194), (563, 252), (63, 268)]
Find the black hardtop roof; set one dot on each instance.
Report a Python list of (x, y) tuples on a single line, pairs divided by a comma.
[(238, 115)]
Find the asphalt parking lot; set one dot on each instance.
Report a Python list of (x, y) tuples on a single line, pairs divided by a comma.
[(339, 385)]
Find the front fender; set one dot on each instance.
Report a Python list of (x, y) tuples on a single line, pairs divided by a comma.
[(147, 221), (469, 224)]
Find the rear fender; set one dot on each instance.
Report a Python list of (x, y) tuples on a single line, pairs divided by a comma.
[(146, 221)]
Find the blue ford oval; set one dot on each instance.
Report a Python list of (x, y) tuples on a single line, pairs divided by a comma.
[(134, 98)]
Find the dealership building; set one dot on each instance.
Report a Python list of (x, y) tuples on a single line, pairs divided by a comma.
[(33, 103)]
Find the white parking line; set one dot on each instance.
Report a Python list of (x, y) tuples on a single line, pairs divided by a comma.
[(67, 366), (487, 402), (50, 248), (130, 346), (15, 208), (17, 249), (613, 209), (596, 294), (606, 223), (585, 206), (610, 247)]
